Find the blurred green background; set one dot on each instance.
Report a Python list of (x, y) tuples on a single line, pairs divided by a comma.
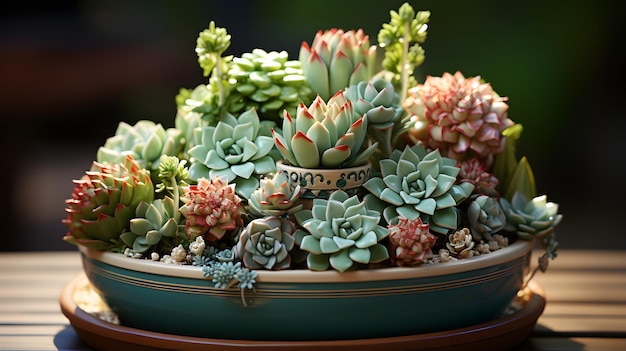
[(72, 70)]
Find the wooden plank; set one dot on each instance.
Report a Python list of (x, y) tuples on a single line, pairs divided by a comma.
[(21, 292), (586, 309), (586, 260), (583, 325), (572, 344), (29, 306), (575, 286), (43, 343), (27, 330), (33, 318), (40, 276)]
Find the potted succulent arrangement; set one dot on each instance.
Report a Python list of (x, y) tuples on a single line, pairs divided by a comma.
[(331, 185)]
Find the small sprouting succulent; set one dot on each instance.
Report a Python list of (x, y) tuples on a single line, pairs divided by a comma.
[(485, 217), (265, 243), (386, 119), (337, 59), (211, 208), (410, 242), (103, 202), (416, 183), (274, 197), (234, 149), (341, 233), (154, 227), (146, 141), (324, 135), (209, 100), (460, 243), (225, 255), (267, 81), (156, 224), (173, 176), (463, 117)]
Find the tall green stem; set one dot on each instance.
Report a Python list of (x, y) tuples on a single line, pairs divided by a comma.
[(219, 81), (176, 196), (404, 73)]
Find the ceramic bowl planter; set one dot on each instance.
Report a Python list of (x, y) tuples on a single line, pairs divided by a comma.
[(373, 303)]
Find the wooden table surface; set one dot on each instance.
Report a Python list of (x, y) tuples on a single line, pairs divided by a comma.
[(585, 293)]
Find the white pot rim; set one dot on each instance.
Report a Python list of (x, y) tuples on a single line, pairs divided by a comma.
[(514, 251)]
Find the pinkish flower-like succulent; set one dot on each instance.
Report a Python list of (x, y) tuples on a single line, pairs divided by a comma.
[(473, 171), (211, 208), (411, 242), (463, 117)]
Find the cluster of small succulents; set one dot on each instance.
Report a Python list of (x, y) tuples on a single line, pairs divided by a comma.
[(446, 183)]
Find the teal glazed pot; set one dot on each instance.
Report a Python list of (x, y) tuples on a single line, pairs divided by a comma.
[(307, 305)]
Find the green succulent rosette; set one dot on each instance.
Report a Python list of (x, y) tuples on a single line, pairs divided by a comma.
[(146, 141), (415, 183), (378, 100), (485, 216), (154, 227), (265, 243), (341, 233), (234, 149), (532, 219)]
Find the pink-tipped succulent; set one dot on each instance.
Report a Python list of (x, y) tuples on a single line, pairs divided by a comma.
[(324, 135), (103, 202), (274, 197), (212, 209), (337, 59), (462, 117), (410, 242)]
